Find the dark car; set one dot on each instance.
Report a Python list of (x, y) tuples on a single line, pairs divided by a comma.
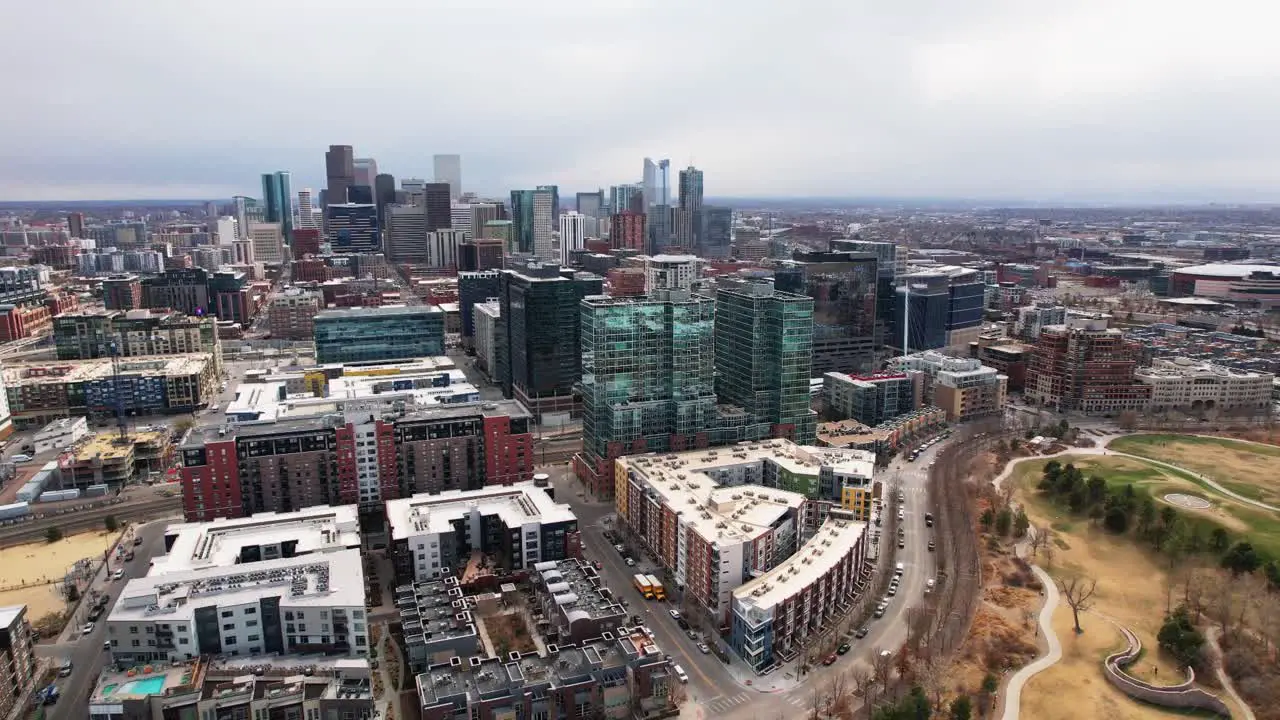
[(684, 624), (844, 648), (862, 632), (932, 546), (137, 541), (128, 556)]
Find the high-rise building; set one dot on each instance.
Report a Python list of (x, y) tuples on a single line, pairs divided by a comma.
[(621, 199), (407, 234), (670, 272), (870, 399), (473, 289), (291, 313), (1085, 366), (228, 229), (84, 336), (366, 171), (573, 234), (764, 351), (18, 669), (268, 242), (591, 204), (715, 233), (627, 231), (306, 210), (340, 173), (382, 333), (75, 224), (277, 200), (534, 217), (384, 194), (963, 387), (481, 213), (540, 311), (648, 378), (443, 247), (843, 287), (448, 169), (649, 183), (241, 204), (460, 218), (353, 227), (439, 207), (937, 308)]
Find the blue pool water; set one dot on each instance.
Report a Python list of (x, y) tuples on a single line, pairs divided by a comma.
[(143, 686)]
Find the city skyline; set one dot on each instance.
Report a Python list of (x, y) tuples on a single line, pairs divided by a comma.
[(1126, 102)]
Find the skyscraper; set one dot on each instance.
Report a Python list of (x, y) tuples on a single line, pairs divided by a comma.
[(353, 228), (648, 378), (340, 172), (268, 242), (627, 231), (764, 350), (534, 216), (542, 319), (448, 169), (384, 194), (439, 208), (688, 215), (277, 200), (715, 234), (621, 196), (691, 189), (406, 233), (843, 287), (573, 234), (75, 224), (306, 210), (591, 204), (649, 183), (366, 171)]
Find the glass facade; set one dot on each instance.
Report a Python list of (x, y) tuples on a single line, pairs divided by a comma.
[(541, 315), (648, 375), (367, 334), (764, 350), (843, 287), (278, 201)]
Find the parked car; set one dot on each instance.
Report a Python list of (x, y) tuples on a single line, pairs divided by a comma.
[(118, 574), (675, 614), (630, 562), (829, 660), (704, 648), (128, 556), (901, 543), (862, 632), (137, 541), (87, 629), (680, 673), (844, 648), (65, 670), (932, 546), (684, 624), (692, 635)]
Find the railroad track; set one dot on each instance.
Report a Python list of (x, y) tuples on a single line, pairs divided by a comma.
[(89, 519)]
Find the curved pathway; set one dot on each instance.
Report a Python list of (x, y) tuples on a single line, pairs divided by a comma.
[(1013, 690), (1204, 478), (1211, 637)]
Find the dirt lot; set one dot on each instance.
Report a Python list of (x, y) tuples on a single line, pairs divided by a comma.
[(1132, 589), (36, 564)]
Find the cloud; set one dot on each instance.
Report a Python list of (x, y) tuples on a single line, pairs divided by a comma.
[(981, 99)]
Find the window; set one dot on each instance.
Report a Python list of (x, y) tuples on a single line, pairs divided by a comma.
[(133, 629), (357, 613), (251, 611), (324, 614), (229, 640), (182, 628), (137, 643), (288, 615), (227, 613), (288, 627), (228, 626), (183, 641), (302, 627), (359, 641), (253, 638)]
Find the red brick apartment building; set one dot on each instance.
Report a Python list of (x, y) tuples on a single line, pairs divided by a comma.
[(1085, 366)]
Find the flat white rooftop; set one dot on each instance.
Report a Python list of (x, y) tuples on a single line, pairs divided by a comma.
[(219, 543), (324, 580), (517, 505), (834, 540)]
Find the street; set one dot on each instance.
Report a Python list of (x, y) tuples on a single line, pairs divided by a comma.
[(723, 690), (86, 653)]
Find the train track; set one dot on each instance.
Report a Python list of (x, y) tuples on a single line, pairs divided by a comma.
[(89, 520)]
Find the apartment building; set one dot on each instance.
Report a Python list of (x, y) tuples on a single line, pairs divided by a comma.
[(518, 524), (963, 387), (367, 454), (1191, 385), (291, 314), (489, 337), (870, 399), (775, 613), (1086, 366), (614, 677), (134, 333), (714, 518), (1031, 320), (17, 658), (572, 597), (437, 621)]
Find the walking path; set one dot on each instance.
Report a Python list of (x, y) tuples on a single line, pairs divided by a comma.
[(1013, 689), (1218, 663)]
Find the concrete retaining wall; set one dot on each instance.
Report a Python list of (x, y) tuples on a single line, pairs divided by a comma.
[(1182, 695)]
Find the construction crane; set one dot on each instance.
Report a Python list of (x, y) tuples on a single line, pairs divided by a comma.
[(116, 389)]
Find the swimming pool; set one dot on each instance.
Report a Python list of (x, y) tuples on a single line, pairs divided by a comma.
[(141, 686)]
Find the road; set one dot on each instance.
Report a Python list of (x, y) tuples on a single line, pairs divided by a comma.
[(713, 688), (86, 653)]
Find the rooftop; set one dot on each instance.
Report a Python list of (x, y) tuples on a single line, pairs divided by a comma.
[(334, 579), (517, 505), (219, 543), (107, 445), (579, 591), (10, 613), (818, 556), (689, 482), (384, 311), (435, 610), (33, 373), (1236, 270)]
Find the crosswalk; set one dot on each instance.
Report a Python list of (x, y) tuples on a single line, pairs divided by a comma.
[(724, 704)]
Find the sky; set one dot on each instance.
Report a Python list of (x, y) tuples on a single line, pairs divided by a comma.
[(1113, 101)]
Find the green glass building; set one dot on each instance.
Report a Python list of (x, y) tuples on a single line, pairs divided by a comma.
[(763, 356), (648, 377), (379, 333)]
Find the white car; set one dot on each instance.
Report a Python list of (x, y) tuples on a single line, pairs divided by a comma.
[(87, 629), (118, 574), (680, 673), (675, 614)]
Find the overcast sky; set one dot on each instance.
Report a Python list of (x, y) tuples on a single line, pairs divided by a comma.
[(1029, 99)]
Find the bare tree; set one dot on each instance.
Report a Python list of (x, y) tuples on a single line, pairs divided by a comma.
[(1050, 548), (1078, 591), (817, 702), (882, 666), (1038, 540), (918, 621), (1222, 605)]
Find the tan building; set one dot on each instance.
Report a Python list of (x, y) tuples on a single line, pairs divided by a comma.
[(1190, 385), (17, 657), (963, 387), (291, 314), (268, 242)]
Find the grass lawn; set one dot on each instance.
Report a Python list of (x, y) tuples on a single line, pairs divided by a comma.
[(1115, 562), (1244, 468)]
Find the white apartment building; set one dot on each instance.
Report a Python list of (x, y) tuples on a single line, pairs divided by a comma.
[(442, 247), (519, 523), (268, 242), (307, 217), (228, 229), (573, 234), (490, 334), (670, 272), (271, 583), (1185, 384)]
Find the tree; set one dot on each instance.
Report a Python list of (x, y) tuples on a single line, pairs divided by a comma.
[(1179, 637), (53, 534), (1021, 523), (882, 666), (1096, 489), (1115, 520), (1219, 540), (1127, 420), (1004, 522), (990, 683), (1078, 592), (110, 523), (1241, 558), (962, 708), (987, 519), (1146, 516)]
